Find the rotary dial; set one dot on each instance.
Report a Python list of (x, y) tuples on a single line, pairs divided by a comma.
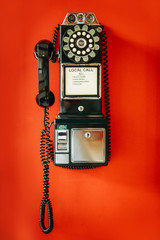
[(81, 45)]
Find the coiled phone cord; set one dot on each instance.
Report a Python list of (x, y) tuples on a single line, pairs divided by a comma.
[(54, 41), (106, 88), (46, 154)]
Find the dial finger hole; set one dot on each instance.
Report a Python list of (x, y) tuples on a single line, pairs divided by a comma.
[(66, 39), (71, 40), (87, 50), (96, 39), (77, 58), (83, 52), (71, 45), (74, 49), (90, 40), (88, 36), (92, 54), (78, 52), (90, 45), (74, 35), (92, 32), (76, 27), (66, 47), (78, 33), (84, 33), (85, 27), (70, 54), (69, 32), (96, 47), (85, 58)]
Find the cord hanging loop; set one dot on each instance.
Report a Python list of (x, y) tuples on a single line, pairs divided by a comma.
[(42, 216)]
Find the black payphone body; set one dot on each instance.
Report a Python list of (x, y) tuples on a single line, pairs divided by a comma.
[(81, 131)]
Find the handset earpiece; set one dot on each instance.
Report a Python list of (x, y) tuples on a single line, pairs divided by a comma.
[(44, 51)]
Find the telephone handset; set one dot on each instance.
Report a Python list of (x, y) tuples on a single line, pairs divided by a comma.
[(44, 51), (81, 131)]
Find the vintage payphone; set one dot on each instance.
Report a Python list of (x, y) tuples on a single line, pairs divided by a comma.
[(81, 131)]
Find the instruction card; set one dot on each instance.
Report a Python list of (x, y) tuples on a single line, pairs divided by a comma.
[(81, 81)]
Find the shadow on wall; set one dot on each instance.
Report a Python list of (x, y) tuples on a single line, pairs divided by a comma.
[(134, 86)]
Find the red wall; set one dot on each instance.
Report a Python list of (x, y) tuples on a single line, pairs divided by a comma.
[(117, 202)]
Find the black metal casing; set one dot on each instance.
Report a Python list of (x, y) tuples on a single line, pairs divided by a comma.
[(70, 116), (70, 106)]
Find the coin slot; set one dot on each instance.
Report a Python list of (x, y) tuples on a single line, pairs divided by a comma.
[(80, 18), (71, 18), (90, 18)]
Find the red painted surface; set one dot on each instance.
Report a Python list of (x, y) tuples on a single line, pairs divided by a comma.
[(117, 202)]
